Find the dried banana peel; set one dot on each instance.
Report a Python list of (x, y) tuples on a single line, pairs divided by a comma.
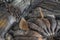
[(29, 29), (23, 24), (3, 20), (3, 23)]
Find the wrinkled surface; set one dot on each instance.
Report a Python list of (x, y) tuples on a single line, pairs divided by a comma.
[(29, 25)]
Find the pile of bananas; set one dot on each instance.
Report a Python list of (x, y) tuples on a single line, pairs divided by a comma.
[(24, 20)]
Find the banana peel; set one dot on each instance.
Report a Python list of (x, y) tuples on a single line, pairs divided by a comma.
[(23, 24), (3, 23)]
